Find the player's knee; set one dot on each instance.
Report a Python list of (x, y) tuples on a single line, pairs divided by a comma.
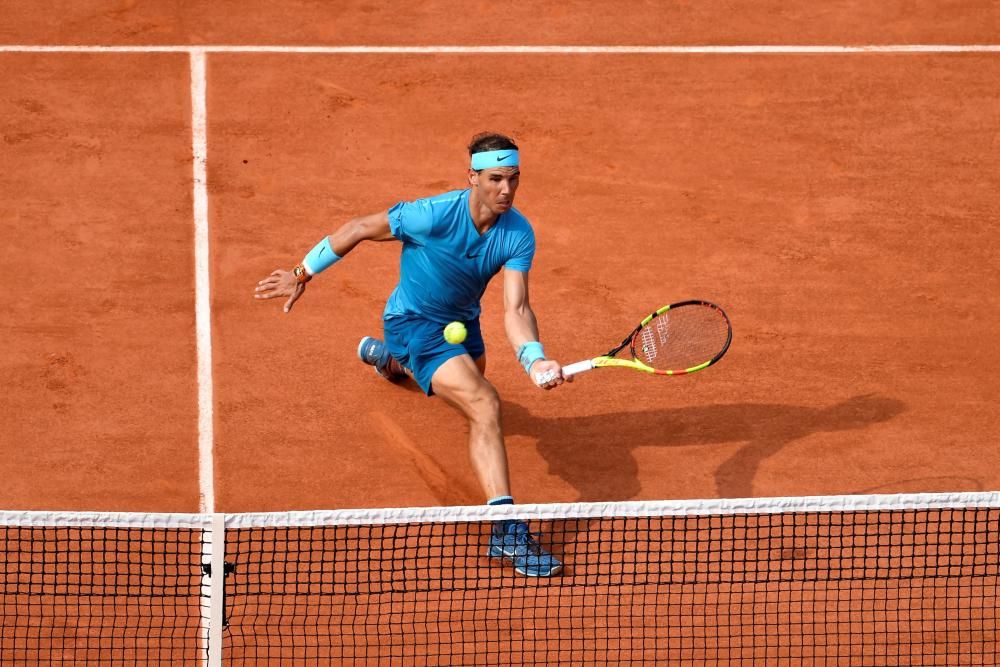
[(484, 405)]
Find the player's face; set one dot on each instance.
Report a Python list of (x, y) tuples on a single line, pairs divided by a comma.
[(496, 187)]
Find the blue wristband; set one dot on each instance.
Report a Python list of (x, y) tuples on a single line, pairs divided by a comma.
[(528, 353), (320, 258)]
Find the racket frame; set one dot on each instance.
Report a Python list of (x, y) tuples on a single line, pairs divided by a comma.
[(610, 359)]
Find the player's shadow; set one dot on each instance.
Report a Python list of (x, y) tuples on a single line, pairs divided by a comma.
[(594, 454)]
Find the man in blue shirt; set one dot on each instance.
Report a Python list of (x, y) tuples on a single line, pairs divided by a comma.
[(453, 244)]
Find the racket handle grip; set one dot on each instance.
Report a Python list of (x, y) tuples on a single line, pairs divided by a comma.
[(578, 367)]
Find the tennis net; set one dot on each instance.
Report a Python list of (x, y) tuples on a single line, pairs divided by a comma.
[(851, 580)]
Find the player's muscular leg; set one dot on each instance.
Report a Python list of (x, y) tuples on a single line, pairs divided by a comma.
[(460, 382)]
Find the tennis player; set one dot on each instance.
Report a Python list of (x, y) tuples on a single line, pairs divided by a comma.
[(453, 244)]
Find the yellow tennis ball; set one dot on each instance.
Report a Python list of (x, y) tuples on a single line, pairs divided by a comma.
[(455, 333)]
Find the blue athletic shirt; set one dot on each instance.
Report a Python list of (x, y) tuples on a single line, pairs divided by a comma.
[(446, 263)]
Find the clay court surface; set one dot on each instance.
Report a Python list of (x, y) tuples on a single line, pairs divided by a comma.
[(841, 207)]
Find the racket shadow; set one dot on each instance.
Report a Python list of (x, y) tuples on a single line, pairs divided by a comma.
[(594, 454)]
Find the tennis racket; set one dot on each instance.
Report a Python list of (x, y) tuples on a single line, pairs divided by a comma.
[(678, 339)]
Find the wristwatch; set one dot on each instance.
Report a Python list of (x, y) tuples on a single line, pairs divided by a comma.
[(301, 274)]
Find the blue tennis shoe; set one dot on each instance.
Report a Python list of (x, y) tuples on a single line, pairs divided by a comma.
[(512, 541), (375, 353)]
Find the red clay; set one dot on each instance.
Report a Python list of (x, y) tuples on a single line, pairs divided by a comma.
[(99, 408), (838, 207), (452, 22), (842, 209)]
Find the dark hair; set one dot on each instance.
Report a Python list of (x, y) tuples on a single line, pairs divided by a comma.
[(491, 141)]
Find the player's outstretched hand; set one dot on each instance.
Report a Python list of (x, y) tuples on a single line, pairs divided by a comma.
[(547, 374), (280, 284)]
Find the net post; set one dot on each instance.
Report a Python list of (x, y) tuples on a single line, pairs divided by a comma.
[(217, 594)]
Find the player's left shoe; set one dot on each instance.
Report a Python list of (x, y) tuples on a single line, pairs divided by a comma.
[(513, 541), (375, 353)]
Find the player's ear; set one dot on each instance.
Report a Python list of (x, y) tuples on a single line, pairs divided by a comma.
[(474, 178)]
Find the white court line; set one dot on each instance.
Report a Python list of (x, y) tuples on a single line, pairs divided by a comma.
[(213, 543), (202, 286), (652, 50)]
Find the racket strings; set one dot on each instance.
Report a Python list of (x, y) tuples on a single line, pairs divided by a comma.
[(682, 338), (648, 340)]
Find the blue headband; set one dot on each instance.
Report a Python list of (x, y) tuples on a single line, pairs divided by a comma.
[(494, 159)]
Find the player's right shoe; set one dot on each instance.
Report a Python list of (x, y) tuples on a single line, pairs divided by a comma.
[(375, 353), (512, 541)]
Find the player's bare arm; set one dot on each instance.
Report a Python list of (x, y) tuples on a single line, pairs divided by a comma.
[(292, 284), (522, 328)]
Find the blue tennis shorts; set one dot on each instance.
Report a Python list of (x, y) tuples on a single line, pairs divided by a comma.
[(420, 347)]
